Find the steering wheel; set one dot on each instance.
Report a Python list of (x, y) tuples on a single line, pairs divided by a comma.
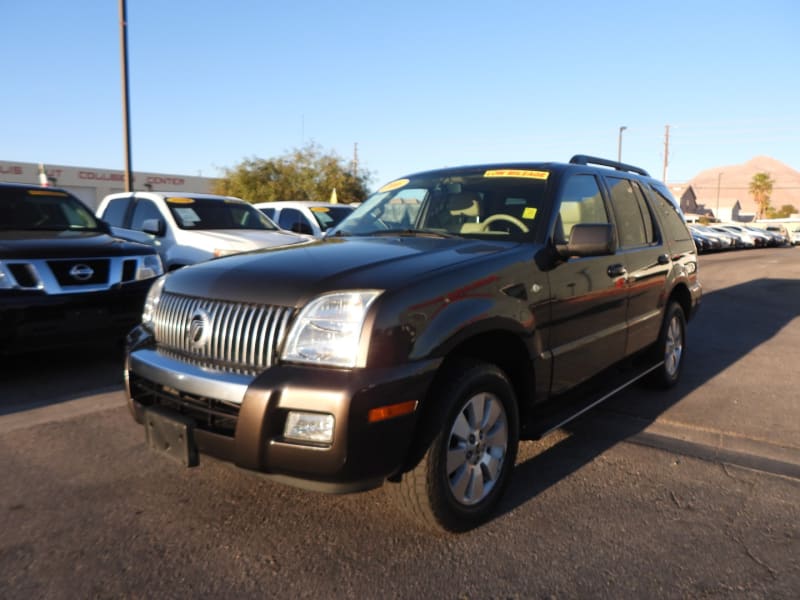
[(508, 218)]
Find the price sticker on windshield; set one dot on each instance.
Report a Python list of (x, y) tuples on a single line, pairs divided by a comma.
[(517, 173)]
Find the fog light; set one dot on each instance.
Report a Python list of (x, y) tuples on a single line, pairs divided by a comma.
[(309, 427)]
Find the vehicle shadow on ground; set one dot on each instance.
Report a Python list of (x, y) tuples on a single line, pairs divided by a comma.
[(37, 379), (731, 323)]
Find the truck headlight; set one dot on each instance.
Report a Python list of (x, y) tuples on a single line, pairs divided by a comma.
[(150, 266), (151, 301), (328, 330)]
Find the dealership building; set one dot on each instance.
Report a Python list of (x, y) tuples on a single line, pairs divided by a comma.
[(91, 185)]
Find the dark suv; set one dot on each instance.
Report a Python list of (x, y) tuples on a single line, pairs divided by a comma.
[(424, 336), (64, 280)]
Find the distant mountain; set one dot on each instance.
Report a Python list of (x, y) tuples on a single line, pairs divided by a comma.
[(731, 183)]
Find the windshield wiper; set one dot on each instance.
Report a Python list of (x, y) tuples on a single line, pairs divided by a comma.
[(414, 233)]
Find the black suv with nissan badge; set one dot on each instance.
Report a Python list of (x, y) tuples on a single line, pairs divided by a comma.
[(420, 340), (64, 280)]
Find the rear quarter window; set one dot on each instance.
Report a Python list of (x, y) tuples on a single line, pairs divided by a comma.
[(672, 221)]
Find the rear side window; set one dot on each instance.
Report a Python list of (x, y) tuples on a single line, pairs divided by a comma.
[(114, 214), (581, 202), (634, 221), (669, 216)]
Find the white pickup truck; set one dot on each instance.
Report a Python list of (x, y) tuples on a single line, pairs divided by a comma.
[(187, 228)]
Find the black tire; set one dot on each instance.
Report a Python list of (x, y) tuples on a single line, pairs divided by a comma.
[(466, 468), (670, 348)]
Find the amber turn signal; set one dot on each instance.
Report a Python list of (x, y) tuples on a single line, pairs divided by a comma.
[(391, 411)]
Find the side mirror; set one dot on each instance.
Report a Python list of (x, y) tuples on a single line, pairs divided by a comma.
[(104, 226), (154, 227), (589, 239)]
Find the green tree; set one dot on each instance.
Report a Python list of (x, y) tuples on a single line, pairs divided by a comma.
[(761, 189), (305, 173)]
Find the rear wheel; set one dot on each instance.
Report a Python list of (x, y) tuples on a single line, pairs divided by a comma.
[(467, 466), (670, 347)]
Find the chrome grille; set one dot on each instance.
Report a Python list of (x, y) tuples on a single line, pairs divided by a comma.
[(244, 338)]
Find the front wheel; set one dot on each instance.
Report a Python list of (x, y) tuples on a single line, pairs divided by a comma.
[(670, 347), (467, 466)]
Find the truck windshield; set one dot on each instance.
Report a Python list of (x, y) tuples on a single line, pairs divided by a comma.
[(44, 210), (217, 213)]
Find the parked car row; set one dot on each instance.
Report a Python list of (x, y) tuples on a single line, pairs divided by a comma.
[(68, 275), (729, 236)]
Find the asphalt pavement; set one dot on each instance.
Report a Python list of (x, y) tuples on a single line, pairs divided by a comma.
[(738, 400)]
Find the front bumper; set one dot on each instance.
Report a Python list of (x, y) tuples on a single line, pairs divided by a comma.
[(33, 320), (241, 418)]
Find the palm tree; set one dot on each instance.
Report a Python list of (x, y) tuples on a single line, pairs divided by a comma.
[(761, 189)]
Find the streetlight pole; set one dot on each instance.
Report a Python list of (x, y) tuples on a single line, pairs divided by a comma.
[(123, 40), (619, 144), (719, 177)]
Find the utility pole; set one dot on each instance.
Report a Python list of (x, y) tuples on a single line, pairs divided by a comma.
[(123, 40), (666, 154), (355, 159), (619, 144)]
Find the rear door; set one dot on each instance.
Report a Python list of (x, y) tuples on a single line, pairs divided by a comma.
[(645, 253)]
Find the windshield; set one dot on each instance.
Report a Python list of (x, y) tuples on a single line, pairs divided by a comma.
[(217, 213), (330, 216), (44, 210), (488, 203)]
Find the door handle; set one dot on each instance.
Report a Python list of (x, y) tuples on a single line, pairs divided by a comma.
[(617, 270)]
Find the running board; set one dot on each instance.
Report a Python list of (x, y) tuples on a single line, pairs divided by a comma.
[(569, 408)]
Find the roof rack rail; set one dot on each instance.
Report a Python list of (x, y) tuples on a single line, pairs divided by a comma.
[(582, 159)]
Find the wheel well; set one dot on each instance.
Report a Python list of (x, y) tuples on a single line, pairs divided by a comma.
[(509, 353), (504, 350), (682, 296)]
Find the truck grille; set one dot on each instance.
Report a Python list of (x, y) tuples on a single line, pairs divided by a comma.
[(228, 336)]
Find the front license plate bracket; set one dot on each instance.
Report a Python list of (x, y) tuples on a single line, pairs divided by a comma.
[(171, 434)]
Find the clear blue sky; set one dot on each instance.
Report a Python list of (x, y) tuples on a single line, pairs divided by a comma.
[(416, 84)]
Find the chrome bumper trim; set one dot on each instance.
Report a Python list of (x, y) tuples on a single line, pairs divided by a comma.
[(152, 365)]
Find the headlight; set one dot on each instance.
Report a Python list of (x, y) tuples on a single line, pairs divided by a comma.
[(328, 330), (151, 301), (150, 266)]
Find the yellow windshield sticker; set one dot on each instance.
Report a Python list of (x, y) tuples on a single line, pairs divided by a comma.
[(180, 200), (517, 173), (322, 209), (46, 193), (529, 213), (395, 185)]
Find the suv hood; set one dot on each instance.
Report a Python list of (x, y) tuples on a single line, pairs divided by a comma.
[(291, 276), (66, 244), (239, 240)]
